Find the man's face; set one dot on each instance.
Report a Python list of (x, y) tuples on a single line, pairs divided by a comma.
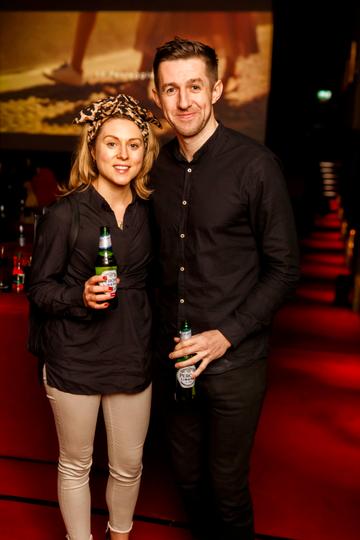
[(186, 96)]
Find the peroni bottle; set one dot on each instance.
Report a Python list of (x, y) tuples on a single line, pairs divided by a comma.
[(106, 265), (185, 384)]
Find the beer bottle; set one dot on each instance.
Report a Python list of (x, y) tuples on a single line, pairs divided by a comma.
[(185, 384), (18, 273), (21, 237), (105, 264)]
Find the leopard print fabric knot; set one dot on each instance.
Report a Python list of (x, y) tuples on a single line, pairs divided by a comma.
[(122, 105)]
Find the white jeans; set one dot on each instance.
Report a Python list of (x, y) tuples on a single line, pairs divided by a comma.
[(126, 419)]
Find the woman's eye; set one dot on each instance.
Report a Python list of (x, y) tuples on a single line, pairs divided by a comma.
[(134, 146), (110, 144)]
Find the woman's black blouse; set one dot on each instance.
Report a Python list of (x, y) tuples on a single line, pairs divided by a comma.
[(90, 351)]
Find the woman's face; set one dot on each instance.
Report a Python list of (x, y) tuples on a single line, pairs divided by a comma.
[(119, 152)]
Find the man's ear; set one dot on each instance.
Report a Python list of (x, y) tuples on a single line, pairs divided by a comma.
[(217, 91), (156, 98)]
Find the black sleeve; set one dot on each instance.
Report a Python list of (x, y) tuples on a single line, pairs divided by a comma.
[(51, 253), (272, 222)]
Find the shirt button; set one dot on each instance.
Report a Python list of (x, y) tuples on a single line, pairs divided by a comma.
[(182, 235), (189, 170), (184, 203), (182, 269), (182, 300)]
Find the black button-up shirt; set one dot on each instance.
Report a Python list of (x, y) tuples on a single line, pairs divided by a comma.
[(227, 246), (88, 351)]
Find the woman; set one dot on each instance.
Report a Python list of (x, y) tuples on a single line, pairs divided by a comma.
[(94, 355)]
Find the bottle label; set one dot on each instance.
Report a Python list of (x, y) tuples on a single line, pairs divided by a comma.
[(185, 335), (183, 375), (111, 274), (105, 241)]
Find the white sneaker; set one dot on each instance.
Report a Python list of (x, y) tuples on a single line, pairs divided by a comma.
[(65, 74)]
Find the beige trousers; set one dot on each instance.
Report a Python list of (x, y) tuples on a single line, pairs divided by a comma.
[(126, 419)]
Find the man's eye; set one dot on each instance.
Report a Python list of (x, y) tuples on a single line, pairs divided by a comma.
[(196, 87), (170, 91)]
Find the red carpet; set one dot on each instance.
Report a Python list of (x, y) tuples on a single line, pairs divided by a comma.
[(306, 463), (44, 523)]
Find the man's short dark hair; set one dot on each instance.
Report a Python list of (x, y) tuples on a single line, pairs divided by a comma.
[(181, 49)]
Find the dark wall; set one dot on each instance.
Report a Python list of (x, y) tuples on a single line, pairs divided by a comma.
[(311, 44), (310, 49)]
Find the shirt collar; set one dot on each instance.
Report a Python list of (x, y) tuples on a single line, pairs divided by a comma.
[(208, 145), (98, 201)]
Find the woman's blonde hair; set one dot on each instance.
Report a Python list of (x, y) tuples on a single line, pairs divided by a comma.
[(84, 171)]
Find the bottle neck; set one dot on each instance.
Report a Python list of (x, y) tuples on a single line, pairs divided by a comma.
[(185, 331), (185, 327), (105, 242)]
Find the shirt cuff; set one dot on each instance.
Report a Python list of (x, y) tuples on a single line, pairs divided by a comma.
[(77, 309), (232, 332)]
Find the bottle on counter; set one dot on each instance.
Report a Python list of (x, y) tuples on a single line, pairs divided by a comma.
[(185, 384), (18, 273), (106, 265), (5, 270), (3, 224), (21, 238)]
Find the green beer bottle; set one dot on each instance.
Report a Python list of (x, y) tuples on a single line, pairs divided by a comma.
[(185, 384), (106, 265)]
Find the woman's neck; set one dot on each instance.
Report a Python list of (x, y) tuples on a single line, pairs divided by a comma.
[(113, 194), (117, 197)]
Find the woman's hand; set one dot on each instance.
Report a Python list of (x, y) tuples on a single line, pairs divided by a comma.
[(97, 296)]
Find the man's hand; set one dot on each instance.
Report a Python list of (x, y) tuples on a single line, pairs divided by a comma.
[(205, 347)]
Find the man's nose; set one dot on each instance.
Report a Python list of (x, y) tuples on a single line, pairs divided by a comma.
[(183, 99)]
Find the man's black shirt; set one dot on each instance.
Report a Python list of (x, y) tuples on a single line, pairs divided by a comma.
[(227, 246)]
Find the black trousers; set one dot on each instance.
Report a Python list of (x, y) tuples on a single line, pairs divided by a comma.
[(211, 441)]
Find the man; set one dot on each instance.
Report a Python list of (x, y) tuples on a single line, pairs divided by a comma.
[(228, 258)]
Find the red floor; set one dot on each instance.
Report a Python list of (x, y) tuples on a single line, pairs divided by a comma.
[(306, 463)]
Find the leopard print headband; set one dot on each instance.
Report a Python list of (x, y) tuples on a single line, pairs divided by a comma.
[(96, 113)]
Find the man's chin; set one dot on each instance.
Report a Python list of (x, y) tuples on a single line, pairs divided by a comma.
[(187, 131)]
